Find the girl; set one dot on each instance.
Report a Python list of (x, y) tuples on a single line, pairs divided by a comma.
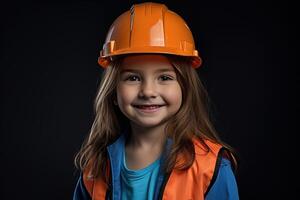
[(152, 137)]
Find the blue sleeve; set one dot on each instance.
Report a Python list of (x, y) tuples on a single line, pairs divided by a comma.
[(80, 192), (225, 186)]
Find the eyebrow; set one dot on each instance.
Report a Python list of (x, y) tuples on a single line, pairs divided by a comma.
[(137, 70)]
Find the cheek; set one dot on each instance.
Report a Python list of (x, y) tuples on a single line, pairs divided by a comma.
[(174, 95), (125, 94)]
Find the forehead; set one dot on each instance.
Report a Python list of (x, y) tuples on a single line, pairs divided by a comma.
[(146, 62)]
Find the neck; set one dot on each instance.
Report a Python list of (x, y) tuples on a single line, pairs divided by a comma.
[(141, 137)]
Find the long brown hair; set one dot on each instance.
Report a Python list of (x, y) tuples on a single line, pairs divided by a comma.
[(192, 119)]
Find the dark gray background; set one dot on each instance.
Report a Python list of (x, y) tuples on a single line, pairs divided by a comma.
[(49, 77)]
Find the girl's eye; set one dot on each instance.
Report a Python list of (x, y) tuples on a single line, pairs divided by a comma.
[(136, 78), (165, 78), (131, 78)]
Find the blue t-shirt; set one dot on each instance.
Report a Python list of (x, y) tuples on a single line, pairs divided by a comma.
[(139, 184)]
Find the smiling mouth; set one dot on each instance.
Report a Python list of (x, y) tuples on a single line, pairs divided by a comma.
[(148, 107)]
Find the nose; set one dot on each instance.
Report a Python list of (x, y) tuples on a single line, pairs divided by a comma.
[(148, 90)]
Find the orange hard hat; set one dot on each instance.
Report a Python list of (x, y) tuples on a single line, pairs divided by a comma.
[(149, 28)]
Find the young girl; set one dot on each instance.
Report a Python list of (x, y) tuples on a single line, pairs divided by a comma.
[(152, 137)]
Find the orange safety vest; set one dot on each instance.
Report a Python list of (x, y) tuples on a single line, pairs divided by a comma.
[(192, 183)]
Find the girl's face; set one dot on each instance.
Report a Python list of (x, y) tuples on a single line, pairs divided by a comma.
[(148, 92)]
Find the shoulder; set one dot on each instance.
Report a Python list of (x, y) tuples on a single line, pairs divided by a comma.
[(81, 192), (224, 185), (210, 151), (211, 163), (206, 152), (85, 182), (89, 186), (87, 177)]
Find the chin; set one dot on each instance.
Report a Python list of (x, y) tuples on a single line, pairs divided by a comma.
[(148, 123)]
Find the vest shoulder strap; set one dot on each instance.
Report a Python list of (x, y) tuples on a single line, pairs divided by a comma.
[(195, 181), (96, 187)]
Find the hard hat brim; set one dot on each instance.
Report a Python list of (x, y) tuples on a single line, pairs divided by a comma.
[(106, 54), (104, 61)]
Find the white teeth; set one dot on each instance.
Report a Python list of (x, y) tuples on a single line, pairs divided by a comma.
[(148, 107)]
